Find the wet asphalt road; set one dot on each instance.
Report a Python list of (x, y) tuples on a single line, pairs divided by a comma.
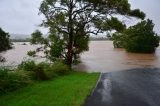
[(135, 87)]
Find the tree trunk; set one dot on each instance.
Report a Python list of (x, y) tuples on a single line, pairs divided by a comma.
[(70, 42)]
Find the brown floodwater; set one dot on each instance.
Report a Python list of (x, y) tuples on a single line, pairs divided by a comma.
[(103, 57), (19, 53)]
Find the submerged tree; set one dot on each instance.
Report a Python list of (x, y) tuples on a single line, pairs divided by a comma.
[(141, 38), (36, 37), (5, 43), (138, 38), (71, 22)]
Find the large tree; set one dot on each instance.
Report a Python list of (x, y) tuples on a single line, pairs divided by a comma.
[(5, 43), (71, 22)]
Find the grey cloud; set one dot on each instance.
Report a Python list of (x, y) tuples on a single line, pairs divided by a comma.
[(21, 16), (151, 8)]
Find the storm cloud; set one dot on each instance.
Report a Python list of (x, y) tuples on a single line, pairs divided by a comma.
[(21, 16), (151, 8)]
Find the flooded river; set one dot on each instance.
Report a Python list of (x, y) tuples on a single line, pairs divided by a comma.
[(18, 54), (101, 57)]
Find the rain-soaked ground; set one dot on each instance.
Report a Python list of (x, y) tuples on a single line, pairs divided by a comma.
[(134, 87)]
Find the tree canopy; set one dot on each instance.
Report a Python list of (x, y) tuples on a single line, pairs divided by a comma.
[(5, 43), (71, 22), (138, 38), (36, 37)]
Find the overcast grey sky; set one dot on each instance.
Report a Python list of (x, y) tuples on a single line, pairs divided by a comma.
[(151, 8), (21, 16)]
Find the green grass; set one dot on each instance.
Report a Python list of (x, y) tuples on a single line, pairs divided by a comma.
[(69, 90)]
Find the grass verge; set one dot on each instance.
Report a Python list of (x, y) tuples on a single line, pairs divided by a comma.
[(69, 90)]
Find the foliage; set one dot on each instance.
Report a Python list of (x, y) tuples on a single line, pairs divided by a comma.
[(60, 68), (118, 40), (5, 43), (39, 72), (28, 65), (11, 80), (31, 53), (69, 90), (28, 71), (139, 38), (44, 71), (2, 59), (71, 22), (36, 70), (36, 37)]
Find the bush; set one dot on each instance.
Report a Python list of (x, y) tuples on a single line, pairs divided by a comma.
[(37, 71), (44, 71), (28, 65), (118, 40), (40, 73), (139, 38), (27, 71), (11, 80), (60, 68), (31, 53)]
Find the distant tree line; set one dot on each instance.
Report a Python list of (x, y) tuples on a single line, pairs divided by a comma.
[(20, 40)]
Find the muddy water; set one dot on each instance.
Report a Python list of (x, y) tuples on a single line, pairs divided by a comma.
[(18, 54), (102, 57)]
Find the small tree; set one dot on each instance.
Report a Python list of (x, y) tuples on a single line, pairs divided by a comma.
[(138, 38), (142, 38), (36, 37), (118, 40), (5, 43)]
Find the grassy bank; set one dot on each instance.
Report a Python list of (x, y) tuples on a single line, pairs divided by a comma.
[(68, 90)]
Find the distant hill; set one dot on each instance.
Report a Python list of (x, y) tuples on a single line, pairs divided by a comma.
[(19, 36)]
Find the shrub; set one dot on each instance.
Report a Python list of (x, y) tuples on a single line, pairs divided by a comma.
[(44, 71), (55, 69), (118, 40), (27, 71), (11, 80), (28, 65), (39, 71), (139, 38), (31, 53), (60, 68)]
